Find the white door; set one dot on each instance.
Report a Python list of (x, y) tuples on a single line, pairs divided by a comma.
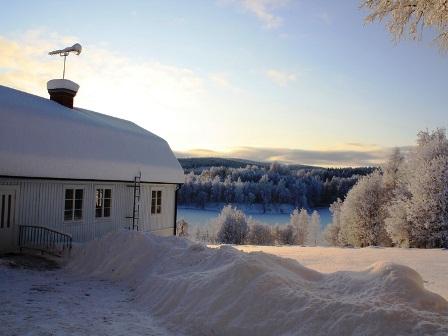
[(155, 209), (8, 229)]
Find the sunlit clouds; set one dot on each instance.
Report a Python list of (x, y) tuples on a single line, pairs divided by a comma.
[(350, 157), (281, 78)]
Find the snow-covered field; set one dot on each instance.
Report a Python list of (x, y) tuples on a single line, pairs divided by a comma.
[(202, 217), (139, 284), (431, 264)]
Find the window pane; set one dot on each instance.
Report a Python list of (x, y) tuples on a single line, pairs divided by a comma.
[(99, 198), (79, 193), (107, 193), (159, 209), (68, 215), (99, 203), (78, 214), (106, 212), (97, 195), (159, 194), (107, 203), (78, 204), (68, 193), (98, 212), (68, 205)]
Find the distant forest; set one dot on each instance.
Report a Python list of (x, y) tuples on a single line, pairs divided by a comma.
[(214, 180)]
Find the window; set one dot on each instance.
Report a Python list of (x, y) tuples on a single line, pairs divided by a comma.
[(103, 199), (73, 204), (156, 202)]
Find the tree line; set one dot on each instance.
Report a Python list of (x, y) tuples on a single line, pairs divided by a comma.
[(268, 185)]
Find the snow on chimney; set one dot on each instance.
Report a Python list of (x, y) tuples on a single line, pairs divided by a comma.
[(62, 91)]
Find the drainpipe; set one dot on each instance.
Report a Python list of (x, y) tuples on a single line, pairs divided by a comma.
[(175, 208)]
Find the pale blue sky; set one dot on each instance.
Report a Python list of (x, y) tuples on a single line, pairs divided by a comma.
[(295, 76)]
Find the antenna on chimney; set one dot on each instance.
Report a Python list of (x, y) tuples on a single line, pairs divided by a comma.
[(76, 48)]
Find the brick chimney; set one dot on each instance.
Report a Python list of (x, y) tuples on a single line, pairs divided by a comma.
[(62, 91)]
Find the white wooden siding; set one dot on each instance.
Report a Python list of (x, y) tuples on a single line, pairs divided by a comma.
[(159, 223), (41, 202)]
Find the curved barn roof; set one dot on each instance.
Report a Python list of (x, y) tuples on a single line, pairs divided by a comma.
[(41, 138)]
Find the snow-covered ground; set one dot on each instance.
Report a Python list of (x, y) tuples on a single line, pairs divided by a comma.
[(139, 284), (36, 302), (222, 291), (431, 264)]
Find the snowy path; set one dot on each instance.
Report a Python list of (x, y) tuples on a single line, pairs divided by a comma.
[(432, 264), (52, 303)]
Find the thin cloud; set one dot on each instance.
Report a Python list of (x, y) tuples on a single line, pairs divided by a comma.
[(324, 17), (222, 80), (264, 10), (279, 77), (323, 158)]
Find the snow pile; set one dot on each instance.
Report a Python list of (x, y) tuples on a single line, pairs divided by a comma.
[(223, 291)]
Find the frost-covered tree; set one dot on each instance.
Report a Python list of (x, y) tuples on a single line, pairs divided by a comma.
[(411, 17), (239, 191), (265, 187), (314, 229), (231, 226), (418, 214), (299, 221), (392, 172), (259, 234), (363, 214), (331, 233)]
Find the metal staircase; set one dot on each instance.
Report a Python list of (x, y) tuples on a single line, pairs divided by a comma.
[(136, 205)]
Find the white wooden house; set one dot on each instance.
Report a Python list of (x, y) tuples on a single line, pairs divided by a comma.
[(80, 172)]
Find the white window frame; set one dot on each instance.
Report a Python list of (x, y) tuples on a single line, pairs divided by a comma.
[(155, 213), (83, 214), (102, 218)]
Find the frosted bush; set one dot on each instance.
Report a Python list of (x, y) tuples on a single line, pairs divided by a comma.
[(314, 229), (260, 234), (331, 233), (286, 235), (300, 222), (231, 226), (363, 214), (182, 228)]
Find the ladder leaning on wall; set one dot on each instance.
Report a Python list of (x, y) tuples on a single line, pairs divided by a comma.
[(136, 204)]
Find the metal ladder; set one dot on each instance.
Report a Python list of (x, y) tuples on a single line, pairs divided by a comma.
[(136, 206)]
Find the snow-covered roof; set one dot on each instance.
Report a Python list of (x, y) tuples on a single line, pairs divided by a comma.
[(41, 138)]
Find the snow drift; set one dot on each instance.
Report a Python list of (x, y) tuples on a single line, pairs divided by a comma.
[(199, 290)]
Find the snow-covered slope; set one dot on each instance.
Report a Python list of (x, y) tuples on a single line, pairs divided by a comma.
[(41, 138), (227, 292), (431, 264)]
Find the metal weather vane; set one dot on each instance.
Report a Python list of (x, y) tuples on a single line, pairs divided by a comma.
[(76, 48)]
